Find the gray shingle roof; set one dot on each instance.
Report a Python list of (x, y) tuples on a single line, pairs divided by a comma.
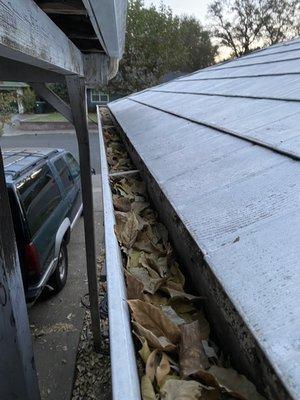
[(223, 144)]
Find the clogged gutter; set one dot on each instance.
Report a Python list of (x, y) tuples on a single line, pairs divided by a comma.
[(176, 357)]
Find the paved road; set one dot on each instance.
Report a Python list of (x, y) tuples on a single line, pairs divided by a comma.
[(54, 139)]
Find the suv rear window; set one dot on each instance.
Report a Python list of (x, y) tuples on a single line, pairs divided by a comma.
[(64, 173), (39, 195)]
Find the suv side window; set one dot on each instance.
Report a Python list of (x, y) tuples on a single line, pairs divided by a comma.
[(73, 165), (64, 173), (39, 195)]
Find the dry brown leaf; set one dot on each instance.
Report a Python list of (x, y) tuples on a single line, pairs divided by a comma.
[(176, 280), (134, 287), (124, 188), (178, 294), (121, 218), (139, 206), (235, 384), (210, 393), (130, 231), (147, 390), (204, 327), (150, 279), (159, 264), (163, 369), (137, 186), (152, 318), (192, 357), (144, 352), (171, 314), (151, 323), (146, 241), (152, 364), (133, 258), (121, 203), (184, 308), (156, 299), (150, 215), (175, 389), (161, 343)]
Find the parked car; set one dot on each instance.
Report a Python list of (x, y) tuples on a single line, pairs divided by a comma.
[(45, 198)]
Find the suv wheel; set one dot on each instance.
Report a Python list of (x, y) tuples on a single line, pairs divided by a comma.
[(59, 277)]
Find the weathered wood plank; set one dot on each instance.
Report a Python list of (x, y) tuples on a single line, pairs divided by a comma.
[(77, 95), (18, 379), (28, 35), (15, 71), (47, 94)]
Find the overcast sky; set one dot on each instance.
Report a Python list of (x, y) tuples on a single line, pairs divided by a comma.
[(198, 8)]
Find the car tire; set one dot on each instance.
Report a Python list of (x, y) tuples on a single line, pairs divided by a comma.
[(59, 276)]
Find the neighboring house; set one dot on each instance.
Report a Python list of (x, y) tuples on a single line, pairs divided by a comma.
[(17, 87), (97, 96)]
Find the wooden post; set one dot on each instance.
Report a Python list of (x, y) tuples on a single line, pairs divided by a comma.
[(18, 379), (77, 95)]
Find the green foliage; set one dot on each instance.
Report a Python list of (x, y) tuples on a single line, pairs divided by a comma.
[(243, 25), (158, 42), (29, 100), (61, 91), (7, 104)]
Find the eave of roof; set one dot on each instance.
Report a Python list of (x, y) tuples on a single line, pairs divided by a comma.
[(92, 25)]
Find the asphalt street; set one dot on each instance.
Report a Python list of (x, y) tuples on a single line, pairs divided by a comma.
[(66, 140)]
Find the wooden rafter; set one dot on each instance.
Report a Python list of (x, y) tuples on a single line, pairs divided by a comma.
[(67, 7)]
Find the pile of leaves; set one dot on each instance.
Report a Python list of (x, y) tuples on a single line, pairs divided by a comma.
[(179, 361)]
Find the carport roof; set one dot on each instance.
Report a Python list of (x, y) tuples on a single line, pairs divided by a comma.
[(92, 25), (224, 145)]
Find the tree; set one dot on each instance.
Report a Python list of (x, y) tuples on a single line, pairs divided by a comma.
[(158, 42), (7, 104), (197, 49), (29, 100), (281, 20), (243, 25)]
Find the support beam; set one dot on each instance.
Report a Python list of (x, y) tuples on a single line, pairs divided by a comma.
[(47, 94), (18, 379), (15, 71), (28, 35), (77, 95)]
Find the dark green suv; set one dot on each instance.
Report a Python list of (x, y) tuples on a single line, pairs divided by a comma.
[(45, 198)]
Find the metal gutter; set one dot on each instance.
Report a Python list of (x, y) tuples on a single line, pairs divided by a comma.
[(125, 380)]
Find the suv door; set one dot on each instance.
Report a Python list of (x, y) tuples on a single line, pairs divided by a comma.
[(41, 201)]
